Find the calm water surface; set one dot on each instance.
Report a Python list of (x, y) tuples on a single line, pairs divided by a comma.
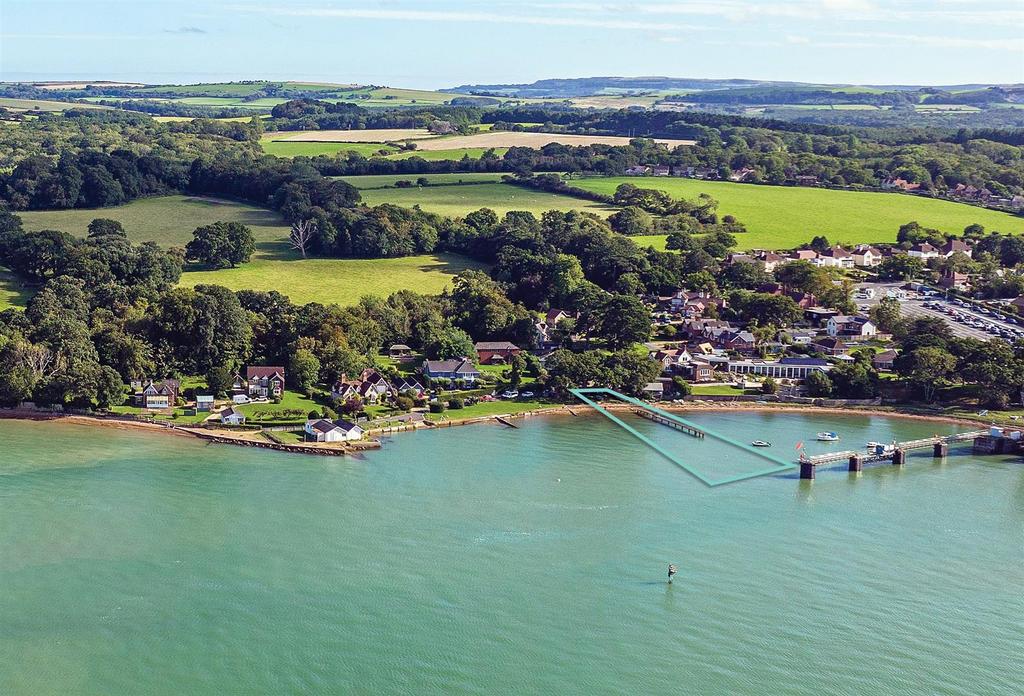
[(492, 560)]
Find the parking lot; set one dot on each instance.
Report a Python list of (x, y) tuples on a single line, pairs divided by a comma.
[(965, 319)]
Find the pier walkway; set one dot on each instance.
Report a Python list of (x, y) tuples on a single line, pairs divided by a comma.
[(896, 452)]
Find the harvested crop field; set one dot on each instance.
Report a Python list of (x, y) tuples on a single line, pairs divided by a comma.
[(516, 139), (370, 135)]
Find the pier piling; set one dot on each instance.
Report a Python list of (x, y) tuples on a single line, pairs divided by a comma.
[(899, 457), (807, 470), (940, 450), (856, 462)]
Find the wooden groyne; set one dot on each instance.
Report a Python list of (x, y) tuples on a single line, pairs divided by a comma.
[(657, 418), (503, 421)]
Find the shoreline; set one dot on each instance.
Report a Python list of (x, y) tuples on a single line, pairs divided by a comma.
[(228, 437)]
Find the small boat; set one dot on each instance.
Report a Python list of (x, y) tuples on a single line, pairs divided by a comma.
[(828, 437), (761, 443)]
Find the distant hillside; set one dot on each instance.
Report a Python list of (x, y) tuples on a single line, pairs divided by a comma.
[(593, 86)]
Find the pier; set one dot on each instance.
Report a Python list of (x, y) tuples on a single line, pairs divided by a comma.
[(682, 427), (896, 452)]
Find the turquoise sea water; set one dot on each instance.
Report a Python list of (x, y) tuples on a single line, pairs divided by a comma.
[(493, 560)]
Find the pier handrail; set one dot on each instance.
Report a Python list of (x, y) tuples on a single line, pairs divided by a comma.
[(827, 457)]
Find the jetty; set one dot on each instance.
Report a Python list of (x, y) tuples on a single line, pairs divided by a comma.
[(896, 452), (674, 424)]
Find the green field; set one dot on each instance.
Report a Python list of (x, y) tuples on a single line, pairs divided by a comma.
[(459, 200), (170, 220), (341, 281), (44, 105), (167, 220), (455, 154), (280, 148), (374, 181), (783, 217)]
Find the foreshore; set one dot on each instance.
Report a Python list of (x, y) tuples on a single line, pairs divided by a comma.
[(240, 438)]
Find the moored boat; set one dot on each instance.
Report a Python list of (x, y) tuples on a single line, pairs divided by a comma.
[(761, 443), (828, 437)]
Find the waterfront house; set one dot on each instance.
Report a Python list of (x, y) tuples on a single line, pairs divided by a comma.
[(495, 352), (264, 381), (158, 395), (323, 430), (451, 371), (401, 385), (400, 352), (883, 360), (204, 403), (232, 416)]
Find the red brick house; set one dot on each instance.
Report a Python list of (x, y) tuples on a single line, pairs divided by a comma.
[(492, 352)]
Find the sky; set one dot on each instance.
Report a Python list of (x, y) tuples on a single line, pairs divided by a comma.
[(438, 43)]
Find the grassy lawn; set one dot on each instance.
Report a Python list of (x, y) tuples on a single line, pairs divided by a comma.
[(373, 181), (167, 220), (11, 292), (459, 200), (783, 217), (341, 281), (487, 408), (269, 411), (715, 390), (178, 416), (45, 105)]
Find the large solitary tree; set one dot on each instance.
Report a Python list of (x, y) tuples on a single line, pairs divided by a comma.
[(221, 245)]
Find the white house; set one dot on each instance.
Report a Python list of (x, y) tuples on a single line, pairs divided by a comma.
[(842, 325), (232, 416), (865, 256), (836, 257), (323, 430), (924, 250)]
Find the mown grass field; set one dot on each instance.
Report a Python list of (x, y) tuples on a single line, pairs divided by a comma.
[(372, 181), (784, 217), (170, 221), (167, 220), (45, 105), (341, 281), (459, 200)]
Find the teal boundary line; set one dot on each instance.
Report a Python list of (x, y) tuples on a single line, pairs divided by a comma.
[(779, 464)]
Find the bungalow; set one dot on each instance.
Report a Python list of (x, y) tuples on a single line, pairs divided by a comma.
[(924, 250), (158, 395), (866, 256), (798, 337), (451, 370), (232, 416), (265, 382), (883, 361), (829, 345), (495, 352), (639, 170), (204, 403), (786, 368), (654, 391), (900, 184), (323, 430), (834, 257), (842, 325), (955, 246), (400, 352)]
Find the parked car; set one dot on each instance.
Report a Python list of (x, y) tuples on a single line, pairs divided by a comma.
[(510, 394), (526, 394)]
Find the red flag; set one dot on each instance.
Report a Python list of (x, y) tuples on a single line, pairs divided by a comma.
[(800, 445)]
